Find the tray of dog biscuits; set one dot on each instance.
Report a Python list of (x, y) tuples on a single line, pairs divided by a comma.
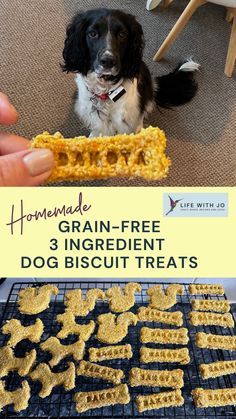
[(117, 350)]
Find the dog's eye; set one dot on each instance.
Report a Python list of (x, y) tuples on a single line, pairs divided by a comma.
[(92, 34), (122, 34)]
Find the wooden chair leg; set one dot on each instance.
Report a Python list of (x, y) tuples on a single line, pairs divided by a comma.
[(178, 27), (231, 55), (229, 15)]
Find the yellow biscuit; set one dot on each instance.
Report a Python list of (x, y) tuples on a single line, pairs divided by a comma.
[(112, 328), (109, 374), (180, 356), (210, 341), (217, 369), (122, 300), (156, 378), (160, 400), (69, 326), (141, 154), (50, 379), (110, 352), (19, 398), (59, 351), (8, 362), (75, 303), (109, 397), (214, 398), (221, 306), (164, 336), (35, 300), (148, 314), (206, 289), (162, 300), (198, 318), (19, 332)]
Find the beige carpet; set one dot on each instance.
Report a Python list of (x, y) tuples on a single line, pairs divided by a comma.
[(202, 135)]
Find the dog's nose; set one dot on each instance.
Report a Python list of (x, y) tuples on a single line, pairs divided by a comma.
[(107, 60)]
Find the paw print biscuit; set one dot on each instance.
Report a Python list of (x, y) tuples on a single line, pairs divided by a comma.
[(122, 300), (69, 326), (59, 351), (19, 332), (79, 306), (19, 398), (8, 362), (35, 300), (162, 300), (112, 328)]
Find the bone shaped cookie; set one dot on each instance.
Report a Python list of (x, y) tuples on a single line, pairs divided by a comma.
[(112, 328), (35, 300), (19, 398), (79, 306), (19, 332), (8, 362), (162, 300), (88, 369), (50, 379), (59, 351), (120, 301), (69, 326)]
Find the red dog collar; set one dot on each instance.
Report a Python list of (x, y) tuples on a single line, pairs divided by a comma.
[(104, 96)]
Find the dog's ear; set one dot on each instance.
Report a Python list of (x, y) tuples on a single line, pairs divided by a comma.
[(134, 52), (75, 52)]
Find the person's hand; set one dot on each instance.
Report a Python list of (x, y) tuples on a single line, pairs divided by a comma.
[(20, 166)]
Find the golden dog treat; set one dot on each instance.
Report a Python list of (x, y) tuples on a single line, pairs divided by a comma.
[(50, 379), (210, 341), (59, 351), (198, 318), (122, 300), (110, 352), (206, 289), (69, 326), (147, 314), (164, 299), (164, 336), (222, 306), (109, 374), (82, 158), (19, 332), (180, 356), (214, 398), (36, 299), (101, 398), (75, 303), (156, 378), (160, 400), (19, 398), (217, 369), (112, 328), (8, 362)]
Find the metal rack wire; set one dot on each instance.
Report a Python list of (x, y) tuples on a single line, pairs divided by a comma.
[(60, 403)]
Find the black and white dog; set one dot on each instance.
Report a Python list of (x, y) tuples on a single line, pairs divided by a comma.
[(115, 90)]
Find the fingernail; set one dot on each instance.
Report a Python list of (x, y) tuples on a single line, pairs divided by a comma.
[(39, 161)]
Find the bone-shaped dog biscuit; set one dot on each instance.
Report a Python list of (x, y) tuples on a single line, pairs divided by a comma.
[(164, 336), (162, 300), (206, 289), (101, 398), (148, 314), (112, 328), (141, 154), (160, 400), (198, 318), (221, 306), (122, 300), (50, 379), (110, 352), (75, 303), (156, 378), (180, 356), (9, 362), (109, 374), (19, 398), (210, 341), (217, 369), (69, 326), (35, 300), (214, 398), (19, 332), (59, 351)]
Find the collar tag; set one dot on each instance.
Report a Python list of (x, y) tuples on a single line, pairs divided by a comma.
[(117, 93)]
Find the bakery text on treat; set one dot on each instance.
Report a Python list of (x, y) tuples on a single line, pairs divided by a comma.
[(210, 341), (160, 400), (19, 332), (220, 306), (100, 398), (122, 300), (50, 379), (180, 356), (156, 378), (164, 336), (206, 289), (75, 303), (9, 362), (213, 398), (36, 299), (109, 374), (112, 328), (59, 351), (217, 369), (18, 398), (148, 314), (69, 326), (198, 318), (164, 299), (110, 352)]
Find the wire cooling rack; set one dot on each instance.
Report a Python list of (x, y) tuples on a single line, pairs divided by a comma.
[(60, 403)]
